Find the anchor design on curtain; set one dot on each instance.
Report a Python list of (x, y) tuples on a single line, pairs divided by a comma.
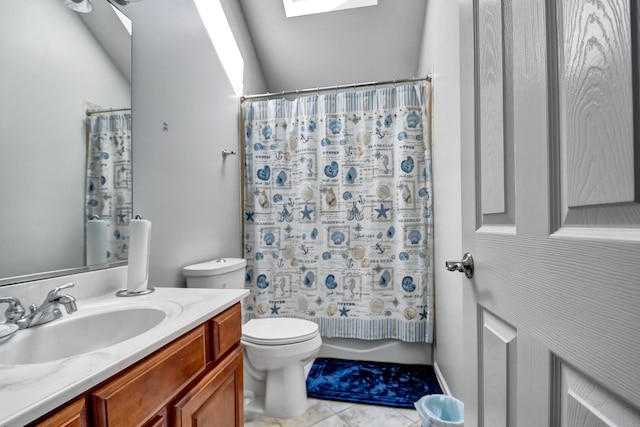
[(338, 212)]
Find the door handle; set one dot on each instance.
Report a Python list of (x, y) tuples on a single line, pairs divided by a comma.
[(465, 266)]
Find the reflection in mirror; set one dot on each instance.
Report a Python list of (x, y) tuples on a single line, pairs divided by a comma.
[(62, 164)]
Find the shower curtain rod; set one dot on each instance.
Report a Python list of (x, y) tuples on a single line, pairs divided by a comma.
[(90, 112), (336, 87)]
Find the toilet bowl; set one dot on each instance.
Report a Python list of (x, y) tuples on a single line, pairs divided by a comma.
[(275, 349)]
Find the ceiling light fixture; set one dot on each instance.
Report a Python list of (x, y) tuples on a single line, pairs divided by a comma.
[(82, 6), (125, 2)]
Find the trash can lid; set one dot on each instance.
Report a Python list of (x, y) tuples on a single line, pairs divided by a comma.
[(439, 410)]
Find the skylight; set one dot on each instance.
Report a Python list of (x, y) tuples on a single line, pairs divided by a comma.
[(224, 42), (126, 22), (309, 7)]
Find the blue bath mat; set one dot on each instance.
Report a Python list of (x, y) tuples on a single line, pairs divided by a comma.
[(374, 383)]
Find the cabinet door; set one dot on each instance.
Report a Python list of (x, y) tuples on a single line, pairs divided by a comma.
[(72, 415), (217, 399)]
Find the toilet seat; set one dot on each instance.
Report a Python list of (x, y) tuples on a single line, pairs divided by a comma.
[(278, 331)]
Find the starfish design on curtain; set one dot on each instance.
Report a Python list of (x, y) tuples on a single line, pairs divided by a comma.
[(275, 309), (382, 212), (306, 213)]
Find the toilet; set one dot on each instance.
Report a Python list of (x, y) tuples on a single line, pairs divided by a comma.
[(276, 350)]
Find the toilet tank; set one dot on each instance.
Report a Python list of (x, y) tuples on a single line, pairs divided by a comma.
[(221, 273)]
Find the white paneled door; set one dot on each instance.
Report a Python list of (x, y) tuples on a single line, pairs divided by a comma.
[(551, 211)]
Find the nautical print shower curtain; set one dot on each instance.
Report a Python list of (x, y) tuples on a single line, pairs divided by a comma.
[(338, 224), (108, 192)]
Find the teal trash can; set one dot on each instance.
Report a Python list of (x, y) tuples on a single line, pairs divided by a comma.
[(439, 410)]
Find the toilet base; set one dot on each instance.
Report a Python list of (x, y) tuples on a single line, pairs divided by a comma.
[(286, 392), (253, 407), (275, 379)]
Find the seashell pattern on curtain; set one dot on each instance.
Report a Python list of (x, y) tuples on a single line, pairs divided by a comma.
[(338, 212)]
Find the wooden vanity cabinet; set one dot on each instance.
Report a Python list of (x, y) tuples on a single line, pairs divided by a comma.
[(217, 399), (74, 414), (161, 419), (194, 380)]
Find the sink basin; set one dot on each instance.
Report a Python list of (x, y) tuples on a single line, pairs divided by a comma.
[(79, 333)]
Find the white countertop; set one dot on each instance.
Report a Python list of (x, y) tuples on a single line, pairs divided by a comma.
[(30, 391)]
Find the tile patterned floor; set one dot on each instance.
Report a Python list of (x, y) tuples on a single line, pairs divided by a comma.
[(326, 413)]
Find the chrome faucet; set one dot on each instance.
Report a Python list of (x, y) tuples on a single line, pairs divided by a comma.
[(47, 311), (15, 311)]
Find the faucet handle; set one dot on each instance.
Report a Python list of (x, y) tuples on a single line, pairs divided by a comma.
[(15, 311), (54, 292)]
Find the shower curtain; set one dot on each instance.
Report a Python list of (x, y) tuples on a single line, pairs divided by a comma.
[(108, 191), (338, 224)]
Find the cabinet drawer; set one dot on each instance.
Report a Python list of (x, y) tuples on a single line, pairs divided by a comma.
[(227, 330), (147, 387)]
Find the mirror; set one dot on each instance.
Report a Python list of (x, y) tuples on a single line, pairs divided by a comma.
[(57, 64)]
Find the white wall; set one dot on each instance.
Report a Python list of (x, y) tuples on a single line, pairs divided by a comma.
[(51, 64), (440, 54), (340, 47), (180, 181)]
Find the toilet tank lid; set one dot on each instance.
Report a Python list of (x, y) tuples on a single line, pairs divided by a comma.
[(214, 267)]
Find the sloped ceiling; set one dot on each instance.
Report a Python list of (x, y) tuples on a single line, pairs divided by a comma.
[(341, 47), (106, 27)]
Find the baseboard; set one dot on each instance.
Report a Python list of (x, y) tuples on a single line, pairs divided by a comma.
[(441, 380)]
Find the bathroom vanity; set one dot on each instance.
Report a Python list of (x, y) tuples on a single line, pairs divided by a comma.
[(185, 369), (197, 376)]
